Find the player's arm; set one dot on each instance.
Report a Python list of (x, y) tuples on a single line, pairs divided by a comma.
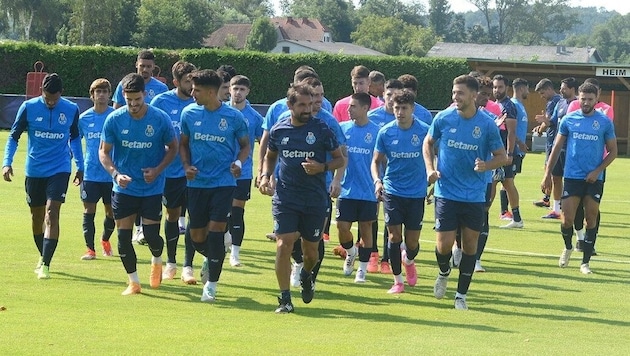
[(499, 159), (378, 160), (558, 143), (19, 126), (262, 151), (77, 149), (268, 166), (428, 153), (341, 172), (242, 156)]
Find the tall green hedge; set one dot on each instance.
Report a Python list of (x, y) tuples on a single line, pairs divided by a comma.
[(270, 73)]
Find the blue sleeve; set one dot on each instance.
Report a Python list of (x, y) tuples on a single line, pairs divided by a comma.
[(19, 126), (338, 133), (610, 132), (380, 146), (107, 135), (563, 129), (242, 130), (169, 133), (434, 130), (118, 97), (258, 131), (495, 137), (330, 139), (553, 119), (326, 105), (75, 142), (272, 142)]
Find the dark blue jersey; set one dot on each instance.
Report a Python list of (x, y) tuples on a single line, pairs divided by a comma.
[(90, 128), (509, 110), (558, 113)]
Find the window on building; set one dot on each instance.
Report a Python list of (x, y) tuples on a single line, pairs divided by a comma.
[(286, 50)]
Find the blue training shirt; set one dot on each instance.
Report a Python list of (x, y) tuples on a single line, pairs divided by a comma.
[(380, 116), (586, 142), (172, 105), (213, 143), (554, 113), (521, 124), (90, 128), (405, 174), (254, 128), (152, 88), (422, 114), (461, 142), (49, 131), (138, 144), (294, 144), (357, 182)]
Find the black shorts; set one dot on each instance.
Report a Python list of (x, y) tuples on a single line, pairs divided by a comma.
[(308, 221), (92, 192), (517, 163), (243, 189), (489, 195), (352, 210), (509, 169), (580, 188), (558, 169), (40, 190), (174, 193), (149, 207), (450, 214), (406, 211), (209, 204)]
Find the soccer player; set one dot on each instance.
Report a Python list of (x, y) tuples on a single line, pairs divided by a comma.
[(508, 134), (173, 103), (240, 86), (52, 125), (377, 85), (467, 137), (97, 183), (419, 112), (145, 64), (138, 143), (213, 134), (588, 134), (224, 90), (356, 201), (403, 187), (299, 145), (360, 79)]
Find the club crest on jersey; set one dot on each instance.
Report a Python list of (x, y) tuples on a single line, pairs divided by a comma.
[(595, 125), (149, 131), (476, 132), (62, 119), (310, 138), (368, 138), (151, 93), (415, 140), (223, 125)]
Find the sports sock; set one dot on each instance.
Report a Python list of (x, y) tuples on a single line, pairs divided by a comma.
[(483, 236), (443, 262), (385, 257), (516, 214), (89, 230), (216, 255), (352, 251), (125, 250), (546, 198), (395, 258), (156, 260), (504, 201), (412, 254), (297, 251), (398, 279), (363, 266), (318, 265), (347, 245), (364, 254), (580, 234), (48, 251), (589, 242), (567, 236), (556, 206), (237, 225), (285, 295), (39, 242), (578, 221), (182, 219), (236, 250), (171, 232), (153, 238), (133, 277), (466, 269), (108, 228), (189, 249), (375, 236)]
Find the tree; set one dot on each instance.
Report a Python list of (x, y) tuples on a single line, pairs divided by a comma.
[(507, 11), (456, 32), (411, 12), (393, 36), (337, 15), (242, 11), (440, 16), (88, 20), (263, 36)]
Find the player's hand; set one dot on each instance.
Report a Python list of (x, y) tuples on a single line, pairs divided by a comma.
[(7, 173), (433, 176), (78, 178), (541, 118), (123, 180), (335, 189), (509, 160), (312, 167), (149, 174), (545, 185), (378, 190), (500, 120), (191, 172), (257, 180), (480, 165), (592, 177), (235, 170), (265, 186)]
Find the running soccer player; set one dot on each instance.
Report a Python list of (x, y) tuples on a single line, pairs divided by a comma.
[(403, 187), (138, 143), (97, 183), (360, 79), (213, 134), (52, 125), (467, 137)]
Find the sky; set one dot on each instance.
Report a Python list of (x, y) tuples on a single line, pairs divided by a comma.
[(621, 6)]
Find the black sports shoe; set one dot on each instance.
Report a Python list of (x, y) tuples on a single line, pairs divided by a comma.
[(308, 289), (594, 253), (284, 307)]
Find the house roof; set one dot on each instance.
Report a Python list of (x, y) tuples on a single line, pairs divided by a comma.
[(301, 29), (335, 48), (516, 52), (218, 38)]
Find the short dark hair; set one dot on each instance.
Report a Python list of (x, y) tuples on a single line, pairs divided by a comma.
[(225, 76), (484, 82), (182, 68), (52, 83), (470, 82), (404, 97), (360, 72), (544, 84), (300, 75), (519, 82), (146, 54), (500, 77), (132, 83), (227, 68), (570, 82), (409, 82), (394, 84), (241, 80), (312, 81), (376, 76), (588, 88), (593, 81), (364, 99), (206, 78), (475, 74), (296, 90)]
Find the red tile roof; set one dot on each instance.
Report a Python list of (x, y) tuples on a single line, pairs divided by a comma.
[(218, 38), (300, 29)]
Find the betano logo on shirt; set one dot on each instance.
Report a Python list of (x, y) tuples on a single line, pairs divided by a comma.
[(49, 135), (93, 135), (586, 137), (136, 144), (297, 154), (404, 154), (208, 137), (359, 150), (462, 145)]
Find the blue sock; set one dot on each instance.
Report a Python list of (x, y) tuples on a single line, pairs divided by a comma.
[(126, 251), (395, 257), (48, 250), (108, 228), (89, 230), (39, 242), (171, 232)]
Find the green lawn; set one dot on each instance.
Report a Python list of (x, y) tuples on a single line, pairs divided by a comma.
[(523, 305)]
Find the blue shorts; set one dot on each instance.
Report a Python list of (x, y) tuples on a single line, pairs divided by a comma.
[(243, 189), (450, 215), (40, 190), (147, 207), (580, 188), (209, 204), (406, 211), (308, 221), (352, 210), (92, 192), (174, 193)]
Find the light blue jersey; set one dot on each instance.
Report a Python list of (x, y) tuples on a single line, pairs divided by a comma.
[(172, 105), (380, 116), (586, 142), (152, 88), (90, 128), (521, 124), (422, 114), (461, 142), (254, 128), (213, 143), (357, 182), (405, 175), (138, 144)]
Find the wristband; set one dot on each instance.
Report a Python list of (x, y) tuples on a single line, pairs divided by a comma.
[(238, 163)]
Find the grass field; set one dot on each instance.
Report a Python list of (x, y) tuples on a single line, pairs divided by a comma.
[(523, 305)]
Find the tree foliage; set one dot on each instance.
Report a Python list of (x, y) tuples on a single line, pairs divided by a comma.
[(440, 17), (263, 36), (611, 39), (411, 12), (337, 15)]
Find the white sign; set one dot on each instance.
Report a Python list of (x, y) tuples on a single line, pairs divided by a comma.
[(612, 72)]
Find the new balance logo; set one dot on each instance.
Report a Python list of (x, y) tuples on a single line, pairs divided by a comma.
[(124, 132), (197, 123), (39, 119)]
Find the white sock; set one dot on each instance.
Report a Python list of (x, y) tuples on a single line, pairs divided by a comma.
[(580, 234), (212, 285), (363, 266), (156, 260), (556, 206), (407, 261), (182, 221), (133, 277), (398, 279), (460, 296), (236, 250), (352, 251)]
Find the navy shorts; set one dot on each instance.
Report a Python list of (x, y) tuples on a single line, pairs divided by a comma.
[(243, 189), (40, 190), (580, 188), (149, 207), (558, 169), (174, 193), (352, 210), (92, 192), (509, 169), (450, 214), (517, 163), (406, 211), (489, 195), (209, 204), (307, 221)]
